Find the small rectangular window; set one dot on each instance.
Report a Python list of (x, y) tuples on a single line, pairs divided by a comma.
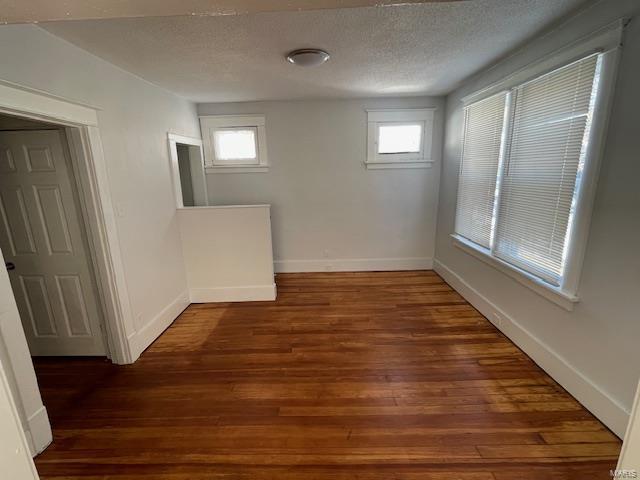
[(399, 138), (234, 145)]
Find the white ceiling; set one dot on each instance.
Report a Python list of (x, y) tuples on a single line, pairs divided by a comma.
[(376, 51)]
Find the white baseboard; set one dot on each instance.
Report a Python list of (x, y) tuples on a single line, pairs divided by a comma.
[(353, 264), (144, 337), (251, 293), (38, 431), (598, 402)]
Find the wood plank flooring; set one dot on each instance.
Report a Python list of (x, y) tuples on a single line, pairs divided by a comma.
[(370, 376)]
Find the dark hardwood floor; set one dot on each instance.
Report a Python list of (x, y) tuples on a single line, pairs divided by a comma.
[(370, 376)]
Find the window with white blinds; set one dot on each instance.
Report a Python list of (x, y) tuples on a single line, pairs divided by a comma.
[(522, 213), (483, 129)]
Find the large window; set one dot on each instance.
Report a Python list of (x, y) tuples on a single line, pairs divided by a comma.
[(524, 153)]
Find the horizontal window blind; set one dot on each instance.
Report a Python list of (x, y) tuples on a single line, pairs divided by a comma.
[(479, 167), (545, 155)]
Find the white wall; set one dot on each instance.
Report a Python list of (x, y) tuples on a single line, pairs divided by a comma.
[(228, 254), (134, 117), (328, 211), (592, 351)]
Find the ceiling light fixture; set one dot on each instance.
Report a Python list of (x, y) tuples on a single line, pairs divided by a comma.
[(308, 57)]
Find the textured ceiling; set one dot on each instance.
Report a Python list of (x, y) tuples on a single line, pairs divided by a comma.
[(376, 51), (34, 11)]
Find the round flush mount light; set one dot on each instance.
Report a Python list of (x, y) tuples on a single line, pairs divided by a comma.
[(308, 57)]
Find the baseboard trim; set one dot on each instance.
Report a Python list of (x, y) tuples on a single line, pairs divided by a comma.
[(598, 402), (144, 337), (38, 431), (249, 293), (354, 265)]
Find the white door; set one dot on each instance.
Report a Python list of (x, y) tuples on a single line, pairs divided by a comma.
[(44, 245)]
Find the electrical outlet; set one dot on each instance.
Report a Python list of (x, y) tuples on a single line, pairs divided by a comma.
[(325, 253)]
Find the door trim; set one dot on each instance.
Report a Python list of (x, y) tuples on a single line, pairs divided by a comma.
[(89, 166), (80, 123)]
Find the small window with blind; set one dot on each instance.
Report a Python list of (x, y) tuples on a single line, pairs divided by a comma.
[(523, 157)]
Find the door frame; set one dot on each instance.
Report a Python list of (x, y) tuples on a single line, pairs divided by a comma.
[(80, 124)]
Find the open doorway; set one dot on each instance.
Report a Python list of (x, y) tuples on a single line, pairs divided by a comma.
[(44, 212), (44, 241), (187, 168), (186, 177)]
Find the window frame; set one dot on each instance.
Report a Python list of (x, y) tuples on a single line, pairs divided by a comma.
[(606, 44), (210, 124), (396, 117)]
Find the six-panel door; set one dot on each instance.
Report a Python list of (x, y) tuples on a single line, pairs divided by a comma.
[(44, 244)]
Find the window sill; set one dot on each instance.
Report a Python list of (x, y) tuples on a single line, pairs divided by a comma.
[(397, 164), (553, 294), (238, 169)]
